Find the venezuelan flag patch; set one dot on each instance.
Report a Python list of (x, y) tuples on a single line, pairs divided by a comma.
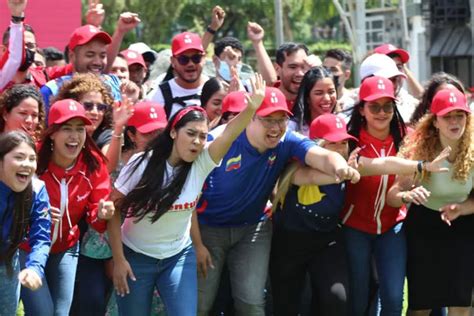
[(233, 163)]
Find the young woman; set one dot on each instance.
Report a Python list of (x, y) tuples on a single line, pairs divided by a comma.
[(307, 236), (317, 95), (108, 119), (21, 108), (78, 184), (213, 92), (24, 211), (372, 228), (440, 256), (157, 192)]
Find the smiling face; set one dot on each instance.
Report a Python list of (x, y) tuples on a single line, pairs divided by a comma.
[(24, 116), (93, 113), (90, 57), (190, 72), (451, 126), (68, 141), (189, 141), (322, 97), (291, 72), (378, 114), (214, 105), (266, 132), (120, 68), (18, 167)]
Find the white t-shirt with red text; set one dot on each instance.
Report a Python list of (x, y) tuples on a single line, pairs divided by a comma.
[(171, 233)]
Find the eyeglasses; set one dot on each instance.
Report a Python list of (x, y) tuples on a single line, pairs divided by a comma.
[(376, 108), (269, 122), (183, 60), (89, 106)]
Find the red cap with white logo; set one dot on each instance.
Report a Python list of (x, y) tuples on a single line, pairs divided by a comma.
[(133, 57), (274, 101), (374, 88), (234, 102), (387, 49), (84, 34), (186, 41), (64, 110), (448, 100), (148, 117), (329, 127)]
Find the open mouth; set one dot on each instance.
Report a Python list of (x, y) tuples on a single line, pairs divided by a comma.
[(23, 176), (72, 147)]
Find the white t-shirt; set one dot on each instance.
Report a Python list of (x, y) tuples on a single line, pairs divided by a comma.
[(177, 91), (171, 233)]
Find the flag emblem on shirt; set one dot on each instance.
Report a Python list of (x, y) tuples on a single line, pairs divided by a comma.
[(271, 159), (233, 163)]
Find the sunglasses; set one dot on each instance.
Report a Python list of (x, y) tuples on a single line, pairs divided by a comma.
[(89, 106), (377, 108), (183, 60)]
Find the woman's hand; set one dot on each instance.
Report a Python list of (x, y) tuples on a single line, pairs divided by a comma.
[(55, 215), (30, 279), (122, 111), (106, 209), (418, 195), (347, 173), (122, 270), (258, 92), (435, 165), (204, 260), (353, 160)]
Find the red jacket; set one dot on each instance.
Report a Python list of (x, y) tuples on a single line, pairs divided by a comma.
[(365, 208), (79, 192)]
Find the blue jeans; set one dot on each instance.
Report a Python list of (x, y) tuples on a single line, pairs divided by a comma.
[(389, 253), (246, 250), (174, 277), (55, 296), (9, 288)]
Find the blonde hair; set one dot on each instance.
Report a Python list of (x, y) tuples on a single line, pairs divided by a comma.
[(284, 184), (424, 144)]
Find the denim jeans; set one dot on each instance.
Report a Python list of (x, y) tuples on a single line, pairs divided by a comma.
[(246, 250), (55, 296), (389, 253), (174, 277), (9, 288)]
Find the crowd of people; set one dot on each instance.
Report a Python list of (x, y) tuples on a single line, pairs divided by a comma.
[(283, 193)]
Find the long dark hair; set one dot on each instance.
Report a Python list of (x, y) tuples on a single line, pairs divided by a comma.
[(22, 201), (357, 122), (151, 195), (208, 89), (431, 88), (302, 108), (92, 155)]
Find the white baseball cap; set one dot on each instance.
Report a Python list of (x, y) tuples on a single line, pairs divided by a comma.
[(379, 65)]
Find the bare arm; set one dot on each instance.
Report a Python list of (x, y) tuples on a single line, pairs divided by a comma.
[(127, 21), (218, 16), (222, 143), (414, 86), (308, 176), (264, 63), (203, 257)]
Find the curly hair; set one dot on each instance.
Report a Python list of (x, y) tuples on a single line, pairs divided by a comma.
[(424, 144), (81, 84), (12, 97)]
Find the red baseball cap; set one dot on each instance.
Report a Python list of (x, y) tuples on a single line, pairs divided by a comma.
[(148, 117), (133, 57), (274, 101), (329, 127), (235, 102), (448, 100), (373, 88), (186, 41), (64, 110), (84, 34), (387, 49)]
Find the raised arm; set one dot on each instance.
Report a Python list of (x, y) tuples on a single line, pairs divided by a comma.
[(127, 21), (218, 16), (264, 63), (222, 143)]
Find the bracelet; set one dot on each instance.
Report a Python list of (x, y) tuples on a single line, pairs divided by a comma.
[(404, 200), (18, 19), (211, 31), (419, 166), (117, 136)]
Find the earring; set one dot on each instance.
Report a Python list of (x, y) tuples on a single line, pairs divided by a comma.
[(52, 146)]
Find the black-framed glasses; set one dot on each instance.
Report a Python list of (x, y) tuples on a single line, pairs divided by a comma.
[(183, 60), (270, 122), (377, 108), (89, 106)]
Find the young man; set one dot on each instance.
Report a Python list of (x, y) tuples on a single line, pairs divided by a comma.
[(234, 227), (137, 68), (184, 89), (228, 52), (339, 62)]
